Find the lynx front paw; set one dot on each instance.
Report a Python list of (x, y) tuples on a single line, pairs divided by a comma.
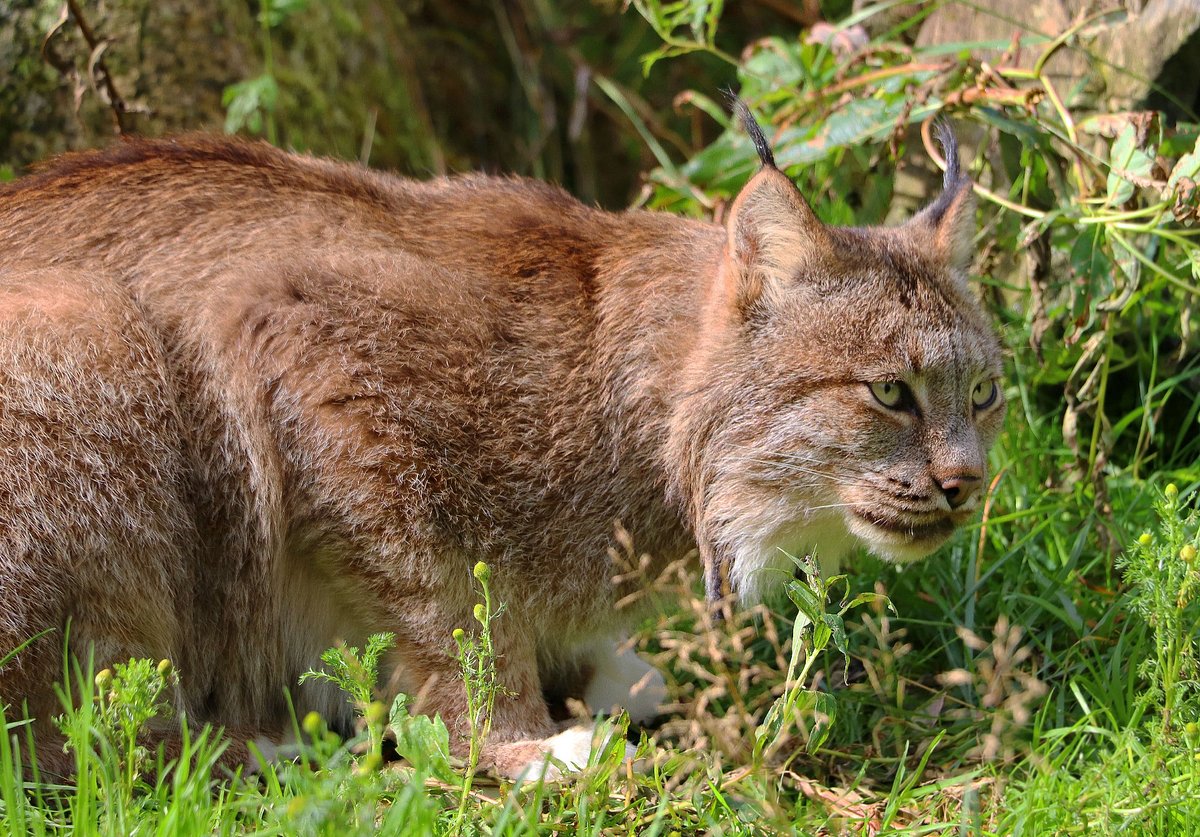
[(569, 751)]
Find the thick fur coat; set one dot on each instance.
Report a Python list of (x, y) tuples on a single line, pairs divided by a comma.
[(253, 403)]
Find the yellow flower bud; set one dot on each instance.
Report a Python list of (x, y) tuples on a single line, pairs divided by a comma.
[(482, 572), (1191, 728), (1172, 491), (164, 669), (480, 614), (312, 724), (458, 634), (1188, 553), (1145, 539), (104, 678)]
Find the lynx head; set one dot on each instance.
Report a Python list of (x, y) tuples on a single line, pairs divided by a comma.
[(844, 390)]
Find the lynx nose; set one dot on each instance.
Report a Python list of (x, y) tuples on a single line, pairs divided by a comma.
[(959, 489)]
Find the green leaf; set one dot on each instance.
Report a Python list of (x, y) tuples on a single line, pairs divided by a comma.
[(247, 101), (1090, 258), (824, 710), (806, 600), (377, 645), (1036, 178), (868, 598), (1126, 159), (776, 65), (422, 741), (796, 705), (837, 631), (769, 729), (1188, 166), (821, 635)]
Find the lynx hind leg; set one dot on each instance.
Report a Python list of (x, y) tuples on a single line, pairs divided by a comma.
[(90, 526)]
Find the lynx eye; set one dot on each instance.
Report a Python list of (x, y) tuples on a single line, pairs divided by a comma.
[(892, 394), (984, 395)]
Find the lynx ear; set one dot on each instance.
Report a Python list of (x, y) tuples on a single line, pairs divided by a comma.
[(951, 218), (771, 228)]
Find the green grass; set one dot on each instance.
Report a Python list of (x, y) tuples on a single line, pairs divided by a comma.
[(944, 722)]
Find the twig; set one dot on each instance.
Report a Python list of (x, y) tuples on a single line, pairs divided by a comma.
[(987, 511), (98, 70)]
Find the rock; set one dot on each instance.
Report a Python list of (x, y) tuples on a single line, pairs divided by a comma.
[(1153, 58), (1145, 55)]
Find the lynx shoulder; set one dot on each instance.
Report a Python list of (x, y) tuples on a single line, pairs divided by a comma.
[(253, 403)]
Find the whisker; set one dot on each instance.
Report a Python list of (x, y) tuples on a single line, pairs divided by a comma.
[(787, 457), (828, 506), (829, 460), (786, 466), (822, 477), (797, 456)]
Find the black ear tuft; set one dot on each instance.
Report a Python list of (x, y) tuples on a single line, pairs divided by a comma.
[(951, 217), (949, 143), (954, 179), (742, 112)]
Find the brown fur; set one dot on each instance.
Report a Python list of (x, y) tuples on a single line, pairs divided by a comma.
[(252, 403)]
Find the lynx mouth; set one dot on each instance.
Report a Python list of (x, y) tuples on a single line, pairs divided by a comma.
[(911, 531)]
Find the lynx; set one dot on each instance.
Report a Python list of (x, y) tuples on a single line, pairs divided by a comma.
[(253, 403)]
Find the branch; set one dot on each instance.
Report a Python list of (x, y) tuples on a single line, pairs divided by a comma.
[(98, 70)]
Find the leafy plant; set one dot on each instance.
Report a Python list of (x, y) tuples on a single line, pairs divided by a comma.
[(356, 674), (251, 103), (1164, 582), (128, 696), (684, 26), (813, 630), (424, 741), (477, 662)]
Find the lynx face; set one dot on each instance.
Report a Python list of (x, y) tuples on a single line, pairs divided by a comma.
[(875, 429), (851, 385)]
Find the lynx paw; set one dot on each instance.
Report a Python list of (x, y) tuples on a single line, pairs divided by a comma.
[(625, 681), (570, 750), (263, 752)]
